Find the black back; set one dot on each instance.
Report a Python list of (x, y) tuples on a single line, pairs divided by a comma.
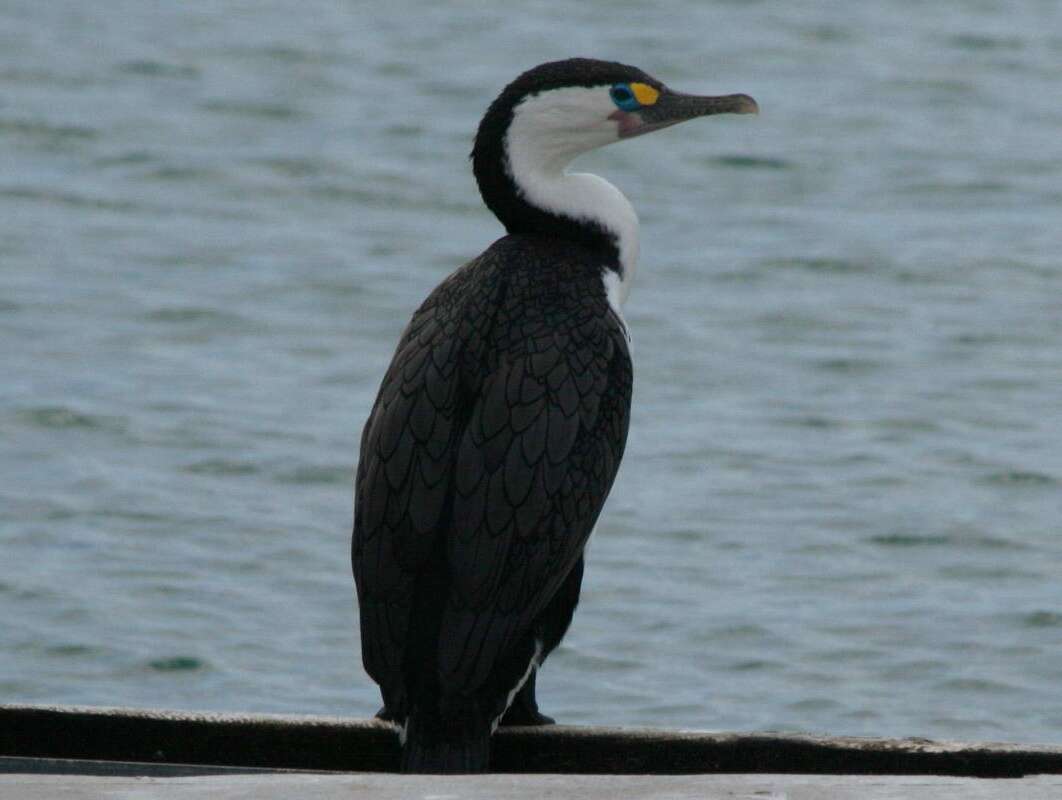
[(486, 460)]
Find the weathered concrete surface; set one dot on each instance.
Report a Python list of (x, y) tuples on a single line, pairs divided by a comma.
[(528, 787), (348, 745)]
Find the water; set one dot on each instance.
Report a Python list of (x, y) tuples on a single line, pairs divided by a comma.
[(839, 509)]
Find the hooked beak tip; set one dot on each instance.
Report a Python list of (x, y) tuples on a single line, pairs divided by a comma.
[(743, 104)]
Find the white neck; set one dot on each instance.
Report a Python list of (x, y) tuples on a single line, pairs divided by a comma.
[(541, 141)]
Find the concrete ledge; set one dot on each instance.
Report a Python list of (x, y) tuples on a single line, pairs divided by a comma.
[(378, 786), (261, 741)]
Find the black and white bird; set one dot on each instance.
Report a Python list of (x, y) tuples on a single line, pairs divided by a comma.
[(500, 424)]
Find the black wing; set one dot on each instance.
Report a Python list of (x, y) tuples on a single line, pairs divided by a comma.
[(405, 471), (534, 467), (499, 425)]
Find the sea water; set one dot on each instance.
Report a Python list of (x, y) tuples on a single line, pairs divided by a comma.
[(840, 508)]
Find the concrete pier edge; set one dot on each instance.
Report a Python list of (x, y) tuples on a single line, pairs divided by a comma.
[(187, 743)]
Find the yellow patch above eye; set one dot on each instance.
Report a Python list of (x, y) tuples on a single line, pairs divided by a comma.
[(645, 94)]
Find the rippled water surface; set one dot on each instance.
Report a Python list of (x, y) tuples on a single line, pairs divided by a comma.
[(840, 506)]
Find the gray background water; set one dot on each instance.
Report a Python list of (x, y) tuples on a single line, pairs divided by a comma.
[(840, 505)]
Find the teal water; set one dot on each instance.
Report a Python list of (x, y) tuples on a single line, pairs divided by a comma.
[(840, 505)]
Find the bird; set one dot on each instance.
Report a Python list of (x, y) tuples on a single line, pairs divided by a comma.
[(501, 421)]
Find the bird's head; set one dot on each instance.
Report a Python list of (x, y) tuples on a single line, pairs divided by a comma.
[(556, 111), (564, 108)]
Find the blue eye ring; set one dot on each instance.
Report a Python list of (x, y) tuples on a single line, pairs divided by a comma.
[(623, 96)]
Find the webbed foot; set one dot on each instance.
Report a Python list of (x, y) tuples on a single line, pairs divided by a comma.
[(525, 716), (524, 708), (386, 715)]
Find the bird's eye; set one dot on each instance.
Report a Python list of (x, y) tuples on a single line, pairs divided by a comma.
[(623, 97)]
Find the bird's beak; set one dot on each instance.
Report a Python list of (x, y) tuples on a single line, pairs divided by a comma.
[(672, 108)]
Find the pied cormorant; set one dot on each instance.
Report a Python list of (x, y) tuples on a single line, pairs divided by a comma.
[(501, 421)]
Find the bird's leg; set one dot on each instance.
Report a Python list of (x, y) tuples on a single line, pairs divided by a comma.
[(385, 715), (524, 708)]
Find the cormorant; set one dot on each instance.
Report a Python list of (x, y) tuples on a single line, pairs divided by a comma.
[(500, 424)]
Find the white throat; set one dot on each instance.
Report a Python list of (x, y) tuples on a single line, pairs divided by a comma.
[(548, 131)]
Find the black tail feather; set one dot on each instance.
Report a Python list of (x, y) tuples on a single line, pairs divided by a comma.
[(439, 755)]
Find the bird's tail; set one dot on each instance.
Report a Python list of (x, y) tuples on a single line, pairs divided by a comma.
[(429, 750)]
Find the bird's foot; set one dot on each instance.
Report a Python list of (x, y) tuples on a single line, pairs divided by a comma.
[(520, 714), (386, 716)]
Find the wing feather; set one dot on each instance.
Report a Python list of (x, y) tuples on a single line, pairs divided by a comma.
[(546, 467), (494, 439), (406, 469)]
